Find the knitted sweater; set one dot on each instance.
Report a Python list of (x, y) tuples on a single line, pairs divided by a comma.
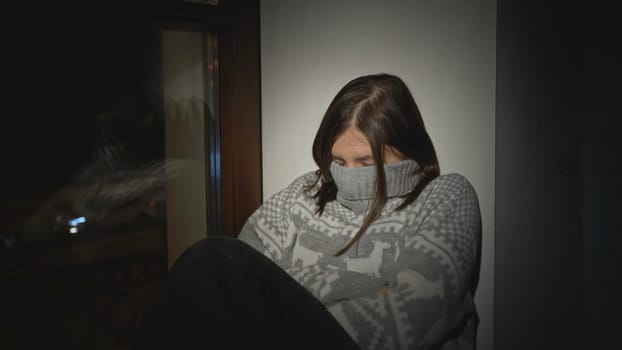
[(423, 257)]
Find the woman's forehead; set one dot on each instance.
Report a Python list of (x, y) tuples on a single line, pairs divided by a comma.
[(351, 142)]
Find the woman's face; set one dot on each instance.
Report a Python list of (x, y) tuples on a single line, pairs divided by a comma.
[(352, 150)]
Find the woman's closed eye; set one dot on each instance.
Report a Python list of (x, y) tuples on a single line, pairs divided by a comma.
[(339, 161), (355, 163), (367, 162)]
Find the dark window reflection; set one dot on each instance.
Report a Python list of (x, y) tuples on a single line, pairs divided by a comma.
[(85, 169), (87, 130)]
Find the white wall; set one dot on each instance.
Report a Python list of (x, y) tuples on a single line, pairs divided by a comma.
[(444, 50)]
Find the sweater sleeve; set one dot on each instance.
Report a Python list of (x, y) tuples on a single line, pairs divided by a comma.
[(269, 229), (331, 284), (430, 293)]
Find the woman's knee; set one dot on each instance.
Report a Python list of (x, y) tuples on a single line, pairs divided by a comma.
[(212, 249), (214, 242)]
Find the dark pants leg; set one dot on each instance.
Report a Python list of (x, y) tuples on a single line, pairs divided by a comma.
[(223, 294)]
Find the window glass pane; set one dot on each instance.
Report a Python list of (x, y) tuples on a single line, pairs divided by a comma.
[(84, 155), (190, 83), (110, 167)]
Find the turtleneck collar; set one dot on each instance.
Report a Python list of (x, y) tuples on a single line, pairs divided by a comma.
[(356, 186)]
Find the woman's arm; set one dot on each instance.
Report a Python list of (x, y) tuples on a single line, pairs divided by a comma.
[(271, 231), (431, 283)]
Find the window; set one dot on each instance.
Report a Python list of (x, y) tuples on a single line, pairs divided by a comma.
[(132, 133)]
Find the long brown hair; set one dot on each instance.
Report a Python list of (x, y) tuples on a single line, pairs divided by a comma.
[(382, 107)]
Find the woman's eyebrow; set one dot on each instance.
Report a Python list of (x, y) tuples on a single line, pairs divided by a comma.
[(363, 158), (357, 159)]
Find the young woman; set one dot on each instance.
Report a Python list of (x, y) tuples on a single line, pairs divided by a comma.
[(375, 250)]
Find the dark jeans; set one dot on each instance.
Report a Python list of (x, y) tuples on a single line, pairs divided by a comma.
[(223, 294)]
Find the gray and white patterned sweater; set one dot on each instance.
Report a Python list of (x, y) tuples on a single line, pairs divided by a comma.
[(426, 254)]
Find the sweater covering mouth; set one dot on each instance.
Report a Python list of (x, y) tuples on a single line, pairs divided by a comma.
[(356, 187)]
